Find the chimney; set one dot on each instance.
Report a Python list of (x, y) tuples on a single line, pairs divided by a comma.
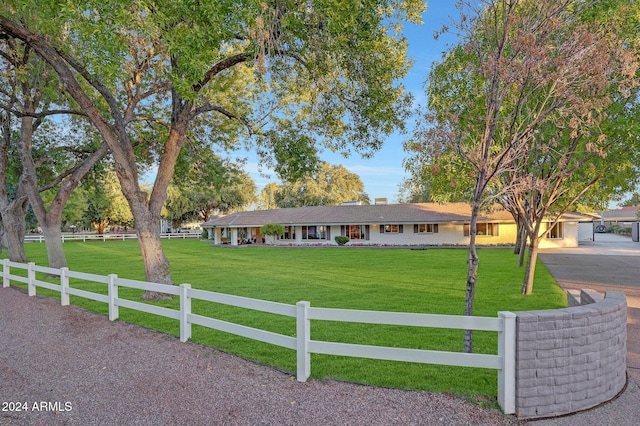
[(381, 201)]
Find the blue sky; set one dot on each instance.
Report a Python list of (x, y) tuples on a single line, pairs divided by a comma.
[(383, 173)]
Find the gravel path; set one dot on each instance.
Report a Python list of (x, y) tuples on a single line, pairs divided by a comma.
[(67, 366)]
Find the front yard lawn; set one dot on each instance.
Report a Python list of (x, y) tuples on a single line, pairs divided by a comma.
[(403, 280)]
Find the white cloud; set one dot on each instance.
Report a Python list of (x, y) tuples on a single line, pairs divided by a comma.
[(363, 170)]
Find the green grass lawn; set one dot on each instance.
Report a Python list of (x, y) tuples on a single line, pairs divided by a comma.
[(420, 281)]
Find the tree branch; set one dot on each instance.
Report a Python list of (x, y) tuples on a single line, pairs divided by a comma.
[(41, 114), (228, 114), (218, 68)]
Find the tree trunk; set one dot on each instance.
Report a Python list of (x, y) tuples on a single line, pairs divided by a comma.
[(472, 272), (14, 224), (156, 264), (523, 244), (517, 249), (146, 209), (527, 284), (53, 242), (100, 226), (13, 213), (51, 221)]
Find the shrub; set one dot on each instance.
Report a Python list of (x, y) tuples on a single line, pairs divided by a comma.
[(341, 239), (205, 234), (273, 230)]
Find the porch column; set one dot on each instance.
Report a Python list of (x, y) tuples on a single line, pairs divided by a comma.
[(234, 236)]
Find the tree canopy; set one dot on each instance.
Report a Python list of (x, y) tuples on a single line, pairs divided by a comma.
[(329, 185), (521, 109), (283, 78), (208, 185)]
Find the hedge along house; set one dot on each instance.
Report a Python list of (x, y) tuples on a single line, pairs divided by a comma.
[(382, 225)]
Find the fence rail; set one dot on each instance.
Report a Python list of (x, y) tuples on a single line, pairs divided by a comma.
[(504, 325), (110, 237)]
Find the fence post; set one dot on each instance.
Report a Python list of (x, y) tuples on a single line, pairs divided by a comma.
[(507, 374), (113, 295), (6, 271), (31, 278), (64, 286), (185, 311), (303, 335)]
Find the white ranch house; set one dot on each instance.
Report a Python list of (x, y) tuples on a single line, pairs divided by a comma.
[(383, 225)]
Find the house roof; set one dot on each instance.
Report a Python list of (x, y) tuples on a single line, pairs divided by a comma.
[(625, 214), (362, 214)]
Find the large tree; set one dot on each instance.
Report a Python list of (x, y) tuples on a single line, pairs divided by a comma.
[(586, 145), (50, 159), (14, 201), (204, 185), (330, 70), (329, 185), (77, 160), (104, 205), (267, 198), (520, 69), (414, 190), (632, 199)]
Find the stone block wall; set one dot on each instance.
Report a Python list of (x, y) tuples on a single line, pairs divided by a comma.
[(571, 359)]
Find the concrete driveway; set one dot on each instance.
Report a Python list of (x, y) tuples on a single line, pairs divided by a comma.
[(611, 262)]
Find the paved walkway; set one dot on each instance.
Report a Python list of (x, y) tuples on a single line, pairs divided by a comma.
[(611, 262)]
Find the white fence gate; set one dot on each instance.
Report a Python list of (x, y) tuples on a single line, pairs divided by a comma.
[(504, 324)]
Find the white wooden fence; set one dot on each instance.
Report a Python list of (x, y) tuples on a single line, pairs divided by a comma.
[(109, 237), (504, 324)]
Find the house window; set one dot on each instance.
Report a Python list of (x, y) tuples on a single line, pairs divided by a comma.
[(289, 233), (356, 232), (483, 229), (314, 232), (425, 228), (557, 230), (390, 229)]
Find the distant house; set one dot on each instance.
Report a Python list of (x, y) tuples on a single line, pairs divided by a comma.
[(382, 225), (622, 217)]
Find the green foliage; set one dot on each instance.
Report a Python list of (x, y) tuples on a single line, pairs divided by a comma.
[(537, 99), (204, 185), (205, 234), (536, 107), (297, 78), (293, 156), (428, 281), (632, 200), (267, 199), (278, 76), (341, 239), (617, 229), (272, 229), (327, 186)]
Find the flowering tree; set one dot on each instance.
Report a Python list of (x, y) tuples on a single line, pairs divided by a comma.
[(524, 74)]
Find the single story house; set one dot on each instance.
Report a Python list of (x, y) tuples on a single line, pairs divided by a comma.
[(382, 225), (624, 216)]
